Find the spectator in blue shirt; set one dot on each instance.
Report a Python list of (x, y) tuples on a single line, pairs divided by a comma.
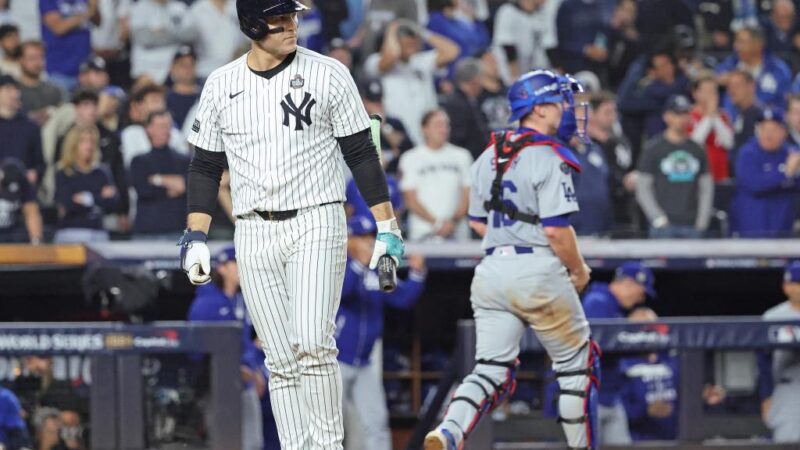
[(592, 188), (646, 89), (356, 206), (582, 27), (632, 283), (780, 28), (20, 138), (159, 178), (67, 38), (222, 301), (772, 76), (768, 179), (469, 34), (359, 323), (84, 188), (13, 432), (185, 89)]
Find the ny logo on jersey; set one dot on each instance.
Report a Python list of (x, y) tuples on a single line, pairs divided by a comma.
[(302, 113), (569, 193)]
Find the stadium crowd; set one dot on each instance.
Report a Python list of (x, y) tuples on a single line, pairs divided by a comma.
[(694, 115)]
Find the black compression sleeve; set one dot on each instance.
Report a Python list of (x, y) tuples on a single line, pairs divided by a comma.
[(205, 172), (361, 157)]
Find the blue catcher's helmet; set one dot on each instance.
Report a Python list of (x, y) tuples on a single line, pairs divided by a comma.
[(537, 87), (252, 14)]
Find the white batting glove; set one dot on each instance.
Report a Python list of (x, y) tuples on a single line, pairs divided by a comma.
[(389, 241), (195, 257)]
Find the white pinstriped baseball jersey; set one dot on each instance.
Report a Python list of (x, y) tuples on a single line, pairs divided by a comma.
[(279, 132)]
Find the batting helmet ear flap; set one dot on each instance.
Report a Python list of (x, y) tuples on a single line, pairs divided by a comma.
[(253, 27)]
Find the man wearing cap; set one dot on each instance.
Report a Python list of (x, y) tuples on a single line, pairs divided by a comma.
[(767, 175), (407, 71), (39, 97), (675, 189), (222, 300), (185, 90), (359, 323), (779, 372), (632, 284), (394, 137), (93, 74)]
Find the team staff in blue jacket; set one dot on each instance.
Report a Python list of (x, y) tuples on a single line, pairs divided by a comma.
[(359, 323), (650, 390), (631, 285), (13, 432), (768, 179), (222, 300)]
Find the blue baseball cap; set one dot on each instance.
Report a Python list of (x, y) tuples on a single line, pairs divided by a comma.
[(639, 273), (772, 113), (792, 273), (361, 226), (226, 254)]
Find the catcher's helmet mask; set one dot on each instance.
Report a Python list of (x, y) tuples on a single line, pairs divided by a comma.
[(253, 13)]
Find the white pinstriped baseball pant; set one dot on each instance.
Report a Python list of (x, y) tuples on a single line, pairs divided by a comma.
[(291, 274)]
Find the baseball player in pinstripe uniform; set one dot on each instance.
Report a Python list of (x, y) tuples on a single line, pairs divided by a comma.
[(284, 117), (520, 200)]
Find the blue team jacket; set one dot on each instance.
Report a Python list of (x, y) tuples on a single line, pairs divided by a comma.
[(772, 84), (647, 382), (600, 303), (764, 202), (211, 304), (359, 321), (10, 416)]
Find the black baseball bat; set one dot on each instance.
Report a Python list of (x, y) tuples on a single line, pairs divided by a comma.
[(387, 269)]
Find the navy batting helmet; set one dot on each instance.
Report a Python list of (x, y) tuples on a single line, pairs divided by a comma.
[(253, 13)]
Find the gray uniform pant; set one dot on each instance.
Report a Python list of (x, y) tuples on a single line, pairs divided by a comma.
[(510, 293), (783, 417), (363, 392), (613, 425)]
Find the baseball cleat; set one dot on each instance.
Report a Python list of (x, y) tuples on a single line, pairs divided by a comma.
[(440, 439)]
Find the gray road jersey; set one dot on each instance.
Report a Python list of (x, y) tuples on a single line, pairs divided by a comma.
[(785, 362), (538, 182)]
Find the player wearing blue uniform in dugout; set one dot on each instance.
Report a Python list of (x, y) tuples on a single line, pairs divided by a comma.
[(520, 201), (631, 285), (359, 323)]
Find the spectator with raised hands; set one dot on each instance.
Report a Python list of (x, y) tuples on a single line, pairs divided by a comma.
[(710, 126), (772, 76), (458, 24), (407, 71), (66, 36), (85, 190), (525, 30)]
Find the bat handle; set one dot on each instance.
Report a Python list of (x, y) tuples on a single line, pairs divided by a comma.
[(387, 273)]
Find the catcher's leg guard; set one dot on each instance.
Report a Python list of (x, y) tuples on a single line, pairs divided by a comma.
[(579, 379), (489, 384)]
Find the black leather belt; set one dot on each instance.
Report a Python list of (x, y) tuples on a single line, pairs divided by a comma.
[(283, 215)]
